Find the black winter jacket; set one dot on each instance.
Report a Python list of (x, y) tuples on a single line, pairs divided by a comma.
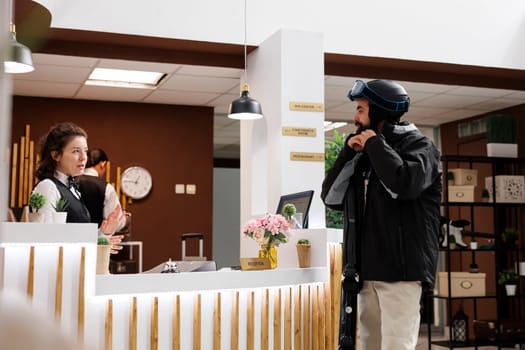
[(398, 224)]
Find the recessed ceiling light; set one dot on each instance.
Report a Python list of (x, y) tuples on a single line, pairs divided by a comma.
[(125, 78)]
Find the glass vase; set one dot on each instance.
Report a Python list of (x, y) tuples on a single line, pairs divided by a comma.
[(268, 251)]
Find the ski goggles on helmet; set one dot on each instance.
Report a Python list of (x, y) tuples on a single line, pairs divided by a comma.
[(362, 90)]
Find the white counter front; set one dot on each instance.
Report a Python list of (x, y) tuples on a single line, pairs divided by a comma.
[(54, 265)]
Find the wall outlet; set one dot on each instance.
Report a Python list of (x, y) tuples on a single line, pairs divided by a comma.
[(191, 189), (179, 189)]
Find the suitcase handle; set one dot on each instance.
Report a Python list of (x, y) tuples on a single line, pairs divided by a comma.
[(192, 235), (185, 236)]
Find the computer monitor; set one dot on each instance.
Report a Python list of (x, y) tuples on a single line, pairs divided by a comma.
[(301, 200)]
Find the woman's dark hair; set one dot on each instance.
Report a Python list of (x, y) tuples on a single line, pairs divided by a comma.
[(55, 140), (95, 156)]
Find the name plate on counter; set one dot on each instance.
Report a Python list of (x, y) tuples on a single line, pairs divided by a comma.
[(307, 157), (306, 106), (293, 131), (255, 264)]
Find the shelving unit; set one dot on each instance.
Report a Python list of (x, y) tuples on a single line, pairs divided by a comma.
[(492, 219)]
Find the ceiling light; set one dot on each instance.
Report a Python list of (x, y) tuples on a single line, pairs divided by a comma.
[(333, 125), (18, 58), (245, 107), (125, 78)]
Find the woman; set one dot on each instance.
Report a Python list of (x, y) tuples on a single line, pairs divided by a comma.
[(63, 157)]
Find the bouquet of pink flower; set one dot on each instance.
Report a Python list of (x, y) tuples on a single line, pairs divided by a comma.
[(271, 229)]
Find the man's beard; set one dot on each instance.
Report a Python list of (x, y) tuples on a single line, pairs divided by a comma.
[(360, 128)]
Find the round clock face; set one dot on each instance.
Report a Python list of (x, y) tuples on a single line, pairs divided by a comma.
[(136, 182)]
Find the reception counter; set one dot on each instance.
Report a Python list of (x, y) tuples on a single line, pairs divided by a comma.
[(285, 308)]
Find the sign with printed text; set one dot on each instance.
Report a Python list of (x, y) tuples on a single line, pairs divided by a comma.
[(306, 106), (307, 157), (255, 264), (292, 131)]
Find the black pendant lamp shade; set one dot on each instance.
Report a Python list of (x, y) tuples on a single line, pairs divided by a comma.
[(245, 107), (18, 58)]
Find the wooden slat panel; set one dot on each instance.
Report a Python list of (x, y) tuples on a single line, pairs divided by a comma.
[(31, 273), (277, 319), (250, 338), (58, 284), (321, 317), (197, 323), (327, 296), (14, 165), (154, 325), (81, 295), (217, 322), (175, 343), (306, 316), (234, 341), (133, 324), (108, 334), (297, 308), (287, 318), (265, 324), (315, 319)]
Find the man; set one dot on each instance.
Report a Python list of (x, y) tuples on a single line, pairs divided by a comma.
[(100, 197), (387, 179)]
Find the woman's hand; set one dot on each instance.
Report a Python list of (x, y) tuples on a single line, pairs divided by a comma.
[(110, 224), (114, 240)]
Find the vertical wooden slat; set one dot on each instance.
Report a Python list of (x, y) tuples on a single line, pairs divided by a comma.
[(336, 290), (133, 324), (21, 173), (175, 343), (265, 326), (81, 295), (117, 182), (197, 323), (58, 284), (277, 319), (306, 317), (26, 166), (327, 296), (30, 172), (287, 318), (154, 325), (315, 319), (14, 157), (234, 341), (108, 334), (217, 322), (297, 307), (250, 338), (31, 273), (108, 171), (320, 317)]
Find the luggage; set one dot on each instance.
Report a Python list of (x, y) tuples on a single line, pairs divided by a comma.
[(187, 236)]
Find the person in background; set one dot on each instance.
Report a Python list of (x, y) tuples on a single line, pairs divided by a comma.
[(63, 157), (96, 162), (387, 180)]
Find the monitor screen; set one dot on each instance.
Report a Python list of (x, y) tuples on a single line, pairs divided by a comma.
[(301, 200)]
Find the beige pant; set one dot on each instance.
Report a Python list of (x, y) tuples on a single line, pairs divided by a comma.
[(389, 315)]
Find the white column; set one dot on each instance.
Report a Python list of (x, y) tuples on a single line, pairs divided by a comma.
[(5, 113), (287, 67)]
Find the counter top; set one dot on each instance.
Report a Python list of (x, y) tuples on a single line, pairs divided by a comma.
[(36, 233)]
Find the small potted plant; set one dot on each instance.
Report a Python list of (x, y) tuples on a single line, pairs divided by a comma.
[(509, 279), (36, 202), (452, 241), (289, 211), (502, 136), (485, 195), (60, 214), (103, 254), (304, 252), (473, 243), (509, 237)]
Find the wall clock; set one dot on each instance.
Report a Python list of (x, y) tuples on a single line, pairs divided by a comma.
[(136, 182)]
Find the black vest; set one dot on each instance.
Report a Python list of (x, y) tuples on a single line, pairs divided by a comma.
[(76, 211), (93, 190)]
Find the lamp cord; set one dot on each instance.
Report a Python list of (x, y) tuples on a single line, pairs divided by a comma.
[(245, 44)]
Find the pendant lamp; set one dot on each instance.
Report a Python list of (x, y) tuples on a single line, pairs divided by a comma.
[(18, 56), (245, 107)]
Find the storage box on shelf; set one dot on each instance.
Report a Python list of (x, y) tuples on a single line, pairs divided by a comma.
[(509, 188), (463, 193), (463, 284), (465, 176)]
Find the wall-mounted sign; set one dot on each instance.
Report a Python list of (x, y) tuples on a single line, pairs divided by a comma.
[(306, 107), (291, 131), (307, 157)]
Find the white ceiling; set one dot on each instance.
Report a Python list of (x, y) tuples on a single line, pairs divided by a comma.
[(64, 76)]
